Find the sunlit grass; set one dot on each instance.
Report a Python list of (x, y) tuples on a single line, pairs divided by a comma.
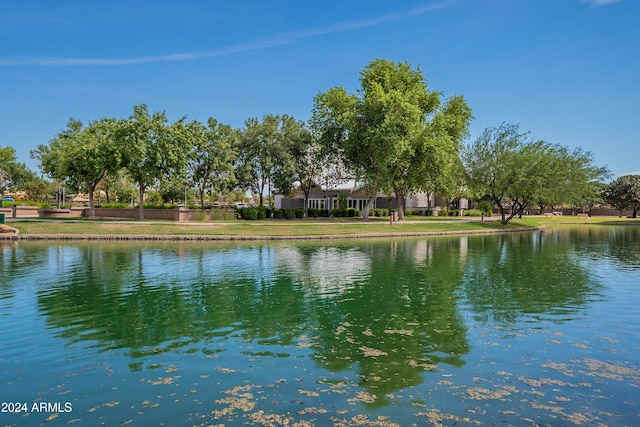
[(248, 228), (295, 227), (537, 220)]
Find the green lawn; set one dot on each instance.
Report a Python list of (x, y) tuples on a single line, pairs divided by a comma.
[(292, 228), (246, 228), (536, 220)]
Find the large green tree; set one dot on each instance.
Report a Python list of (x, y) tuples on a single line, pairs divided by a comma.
[(504, 166), (13, 174), (214, 149), (394, 132), (624, 193), (153, 149), (263, 160), (306, 157), (433, 154), (514, 171), (82, 156), (570, 177)]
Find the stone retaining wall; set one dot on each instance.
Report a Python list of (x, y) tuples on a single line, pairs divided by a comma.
[(61, 213), (18, 211), (179, 214)]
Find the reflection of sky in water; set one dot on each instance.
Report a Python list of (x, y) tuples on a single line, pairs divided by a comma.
[(330, 270), (424, 250)]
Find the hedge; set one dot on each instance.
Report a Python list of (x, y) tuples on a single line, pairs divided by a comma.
[(249, 213)]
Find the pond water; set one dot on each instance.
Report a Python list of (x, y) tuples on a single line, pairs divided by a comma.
[(537, 328)]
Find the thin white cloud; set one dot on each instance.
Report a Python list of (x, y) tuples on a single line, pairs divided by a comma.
[(598, 3), (267, 42)]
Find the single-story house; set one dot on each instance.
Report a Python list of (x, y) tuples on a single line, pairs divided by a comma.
[(327, 198)]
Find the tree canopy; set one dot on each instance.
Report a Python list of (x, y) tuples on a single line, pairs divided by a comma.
[(624, 193), (394, 132), (264, 160), (513, 171), (152, 150), (13, 174), (82, 156), (214, 149)]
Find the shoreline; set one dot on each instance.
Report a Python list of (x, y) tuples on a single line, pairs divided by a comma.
[(12, 234), (228, 238)]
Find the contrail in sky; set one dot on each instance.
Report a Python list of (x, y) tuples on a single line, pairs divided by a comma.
[(267, 42), (598, 3)]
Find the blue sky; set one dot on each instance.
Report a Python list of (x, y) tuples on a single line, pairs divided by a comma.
[(566, 70)]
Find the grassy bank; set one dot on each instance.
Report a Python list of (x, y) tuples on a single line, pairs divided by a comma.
[(286, 228), (264, 228)]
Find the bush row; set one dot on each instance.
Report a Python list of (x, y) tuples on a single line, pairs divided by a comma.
[(315, 213), (379, 212), (263, 213), (345, 213), (289, 213)]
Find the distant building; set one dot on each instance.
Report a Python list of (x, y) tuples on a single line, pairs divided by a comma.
[(357, 199)]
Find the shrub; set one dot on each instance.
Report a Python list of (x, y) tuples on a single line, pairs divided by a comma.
[(299, 212), (336, 212), (350, 212), (289, 213), (201, 216), (249, 213), (278, 214), (472, 212), (221, 214), (262, 213), (376, 212), (385, 212), (414, 212), (115, 205), (485, 207), (443, 212), (324, 213), (313, 212), (41, 205)]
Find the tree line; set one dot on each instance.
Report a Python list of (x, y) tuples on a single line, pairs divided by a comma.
[(395, 135)]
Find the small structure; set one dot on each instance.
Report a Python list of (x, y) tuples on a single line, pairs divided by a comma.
[(328, 198)]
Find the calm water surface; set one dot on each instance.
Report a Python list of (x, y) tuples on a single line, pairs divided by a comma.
[(520, 329)]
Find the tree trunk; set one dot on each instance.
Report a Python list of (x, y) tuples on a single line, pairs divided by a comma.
[(141, 203), (201, 191), (542, 206), (306, 191), (91, 202), (399, 203), (368, 206), (503, 213)]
